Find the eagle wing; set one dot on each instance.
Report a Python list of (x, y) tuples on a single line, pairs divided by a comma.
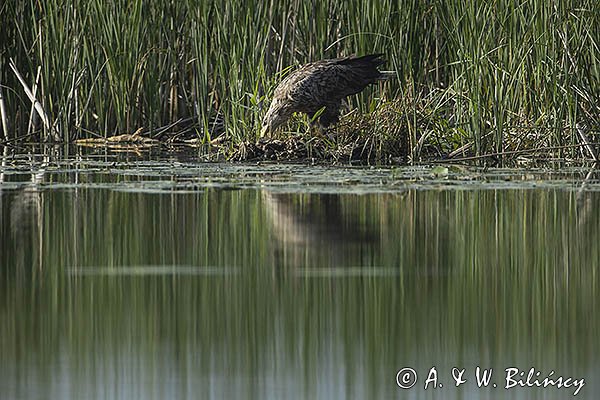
[(327, 82)]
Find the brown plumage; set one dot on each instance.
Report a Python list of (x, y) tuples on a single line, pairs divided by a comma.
[(321, 84)]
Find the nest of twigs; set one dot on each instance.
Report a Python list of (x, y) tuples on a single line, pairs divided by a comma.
[(380, 136)]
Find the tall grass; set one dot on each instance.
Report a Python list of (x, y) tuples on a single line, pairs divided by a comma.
[(498, 74)]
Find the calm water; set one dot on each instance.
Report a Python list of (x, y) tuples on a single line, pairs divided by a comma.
[(124, 278)]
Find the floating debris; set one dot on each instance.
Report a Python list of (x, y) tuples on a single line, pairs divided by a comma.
[(126, 139)]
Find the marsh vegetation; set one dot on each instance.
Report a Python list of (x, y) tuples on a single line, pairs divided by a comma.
[(474, 78)]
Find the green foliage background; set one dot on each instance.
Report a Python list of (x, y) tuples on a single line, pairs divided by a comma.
[(476, 71)]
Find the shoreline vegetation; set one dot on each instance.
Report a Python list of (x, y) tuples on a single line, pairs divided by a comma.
[(489, 80)]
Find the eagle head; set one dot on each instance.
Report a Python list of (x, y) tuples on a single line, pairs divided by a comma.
[(278, 113)]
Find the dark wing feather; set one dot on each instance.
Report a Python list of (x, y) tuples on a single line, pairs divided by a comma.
[(327, 82)]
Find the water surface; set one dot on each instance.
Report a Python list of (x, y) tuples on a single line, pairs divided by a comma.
[(161, 277)]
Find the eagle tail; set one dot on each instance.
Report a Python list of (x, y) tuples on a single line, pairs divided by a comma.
[(370, 60), (368, 65), (385, 75)]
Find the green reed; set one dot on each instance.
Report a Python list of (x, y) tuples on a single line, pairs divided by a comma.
[(499, 74)]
